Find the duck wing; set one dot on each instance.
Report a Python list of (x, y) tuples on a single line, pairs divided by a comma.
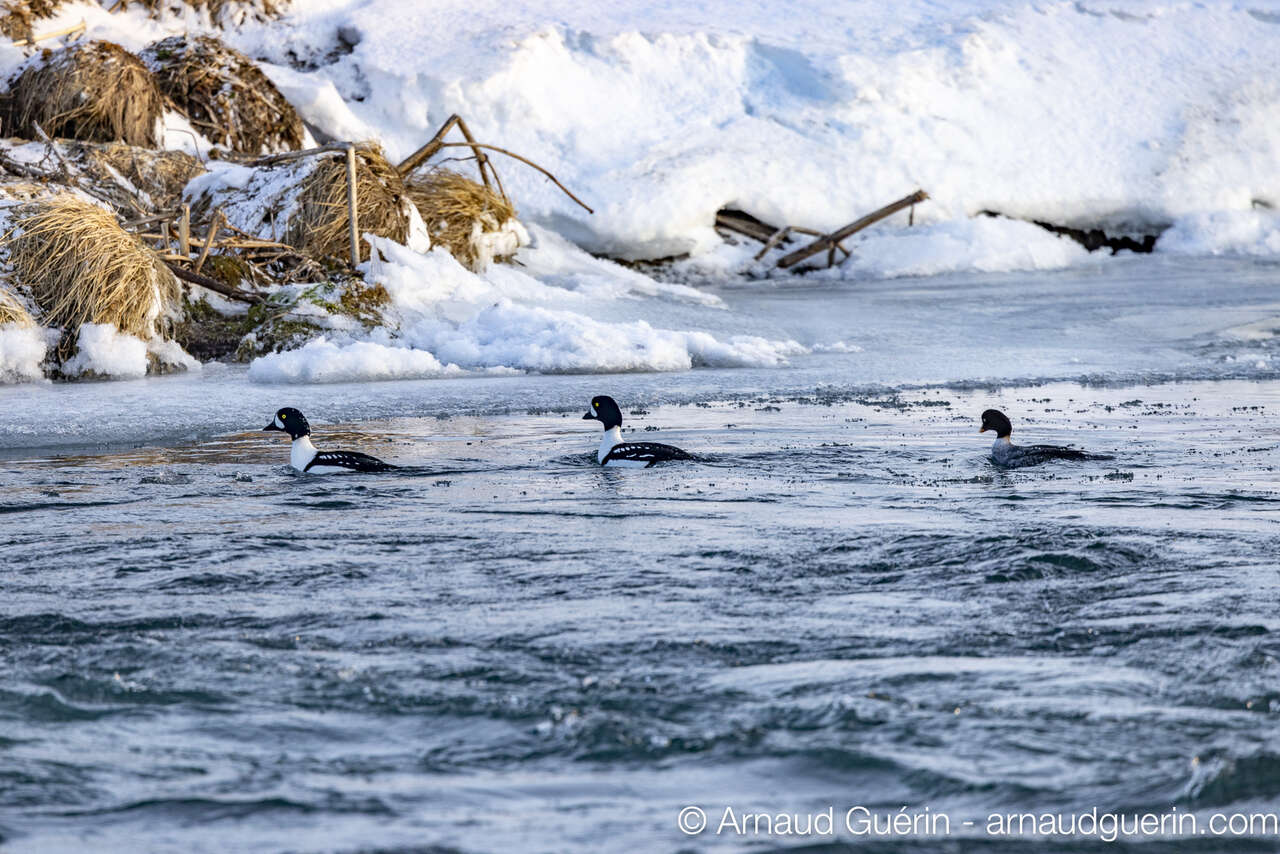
[(352, 460), (646, 452), (1033, 454)]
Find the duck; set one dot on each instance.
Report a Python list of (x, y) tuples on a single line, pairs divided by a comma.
[(616, 453), (305, 457), (1008, 455)]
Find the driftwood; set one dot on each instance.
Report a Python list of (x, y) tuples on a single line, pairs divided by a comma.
[(781, 236), (212, 284), (526, 161), (745, 224), (829, 242)]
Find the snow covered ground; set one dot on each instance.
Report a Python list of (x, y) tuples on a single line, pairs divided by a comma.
[(1145, 114), (1129, 113)]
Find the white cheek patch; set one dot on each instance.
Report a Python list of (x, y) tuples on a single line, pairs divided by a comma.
[(279, 423)]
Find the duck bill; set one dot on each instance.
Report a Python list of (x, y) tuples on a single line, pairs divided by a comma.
[(983, 430), (589, 417), (272, 426)]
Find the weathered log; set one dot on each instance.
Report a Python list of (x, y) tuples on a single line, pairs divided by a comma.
[(748, 226), (829, 241)]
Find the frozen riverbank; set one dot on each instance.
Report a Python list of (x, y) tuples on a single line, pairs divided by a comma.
[(1128, 321)]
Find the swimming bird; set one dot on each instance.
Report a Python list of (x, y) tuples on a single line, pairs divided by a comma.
[(304, 456), (1009, 455), (615, 452)]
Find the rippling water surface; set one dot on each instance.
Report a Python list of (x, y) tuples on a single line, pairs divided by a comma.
[(506, 648)]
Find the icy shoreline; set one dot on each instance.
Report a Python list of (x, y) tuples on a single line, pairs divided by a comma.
[(1129, 323), (1150, 114)]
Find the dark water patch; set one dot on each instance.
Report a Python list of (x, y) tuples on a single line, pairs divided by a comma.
[(60, 629), (118, 691), (46, 707), (1221, 779), (202, 810), (62, 505), (333, 504)]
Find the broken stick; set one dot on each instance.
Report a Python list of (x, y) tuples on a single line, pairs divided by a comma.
[(209, 238), (212, 284), (829, 241)]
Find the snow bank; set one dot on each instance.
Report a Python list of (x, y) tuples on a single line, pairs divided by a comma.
[(1120, 113), (107, 352), (979, 245), (983, 244), (170, 356), (449, 320), (22, 349), (1253, 232), (322, 361)]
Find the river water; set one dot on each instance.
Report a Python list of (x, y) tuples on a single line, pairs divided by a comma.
[(503, 647)]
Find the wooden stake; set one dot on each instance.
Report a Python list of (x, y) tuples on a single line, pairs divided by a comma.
[(184, 232), (830, 240), (164, 234), (354, 231)]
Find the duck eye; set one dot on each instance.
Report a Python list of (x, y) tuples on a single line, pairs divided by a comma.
[(283, 416), (596, 405)]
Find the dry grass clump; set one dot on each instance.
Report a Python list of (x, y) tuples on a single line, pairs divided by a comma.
[(458, 212), (302, 201), (162, 175), (93, 90), (22, 191), (224, 95), (82, 267), (222, 13), (320, 224), (13, 312), (18, 17)]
